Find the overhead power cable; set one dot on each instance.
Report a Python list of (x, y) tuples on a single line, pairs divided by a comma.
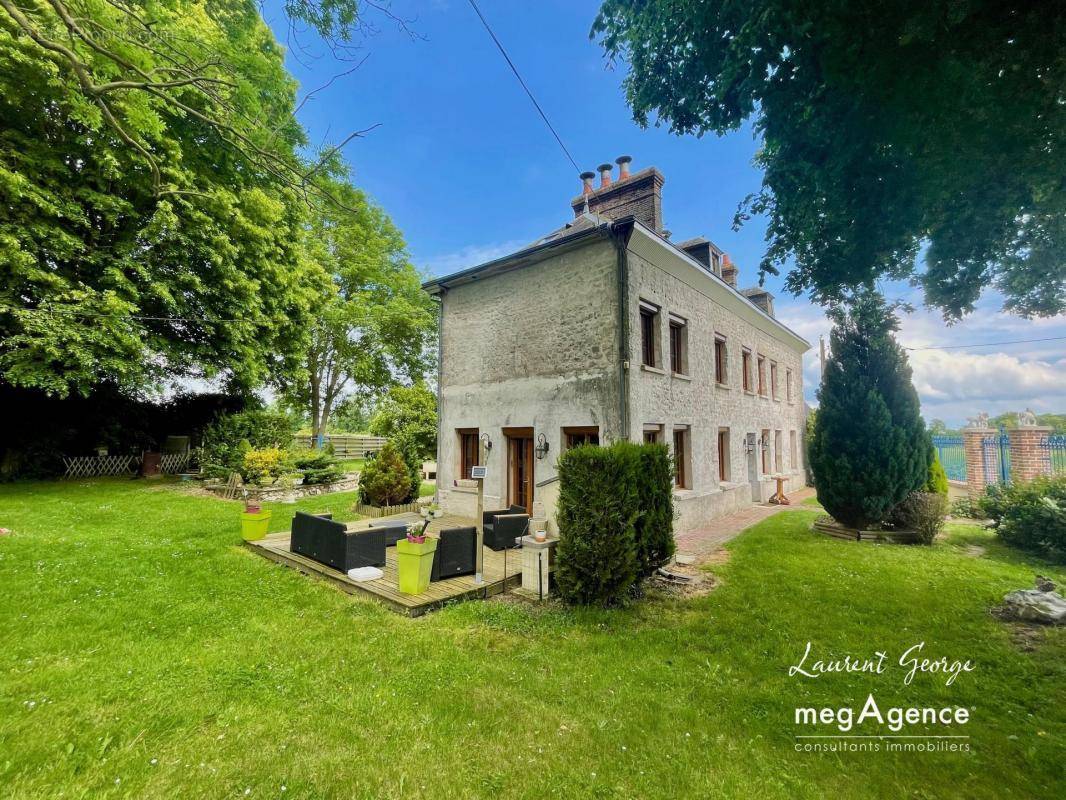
[(986, 344), (518, 75)]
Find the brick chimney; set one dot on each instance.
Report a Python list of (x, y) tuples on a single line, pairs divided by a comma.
[(637, 194), (729, 271)]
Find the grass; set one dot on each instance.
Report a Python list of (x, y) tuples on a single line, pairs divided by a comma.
[(144, 653), (353, 464)]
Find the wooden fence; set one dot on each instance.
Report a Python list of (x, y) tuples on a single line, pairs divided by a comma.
[(348, 446), (95, 466), (385, 511)]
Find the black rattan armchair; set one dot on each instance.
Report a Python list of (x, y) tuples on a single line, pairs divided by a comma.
[(504, 528), (456, 554)]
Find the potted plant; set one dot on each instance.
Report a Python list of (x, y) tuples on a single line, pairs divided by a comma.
[(414, 561), (254, 521)]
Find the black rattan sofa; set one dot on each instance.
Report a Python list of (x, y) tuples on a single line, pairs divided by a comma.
[(394, 531), (503, 528), (456, 554), (328, 542)]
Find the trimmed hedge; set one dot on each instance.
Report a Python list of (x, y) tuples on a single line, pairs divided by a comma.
[(655, 489), (615, 516)]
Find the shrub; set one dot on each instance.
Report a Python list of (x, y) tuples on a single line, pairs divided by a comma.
[(265, 465), (937, 482), (318, 466), (870, 448), (408, 416), (968, 507), (229, 435), (386, 480), (596, 559), (654, 528), (923, 513), (1030, 516)]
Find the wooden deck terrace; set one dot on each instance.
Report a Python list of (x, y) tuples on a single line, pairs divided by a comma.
[(502, 570)]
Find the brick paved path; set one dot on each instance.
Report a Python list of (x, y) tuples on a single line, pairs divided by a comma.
[(702, 542)]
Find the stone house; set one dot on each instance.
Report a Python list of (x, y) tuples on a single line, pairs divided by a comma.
[(605, 329)]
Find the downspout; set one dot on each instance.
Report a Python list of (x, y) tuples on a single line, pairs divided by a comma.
[(620, 234), (440, 372)]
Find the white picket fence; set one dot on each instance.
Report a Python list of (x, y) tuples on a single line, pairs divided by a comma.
[(97, 466)]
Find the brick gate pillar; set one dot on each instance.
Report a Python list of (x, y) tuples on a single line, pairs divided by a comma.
[(1028, 457), (976, 474)]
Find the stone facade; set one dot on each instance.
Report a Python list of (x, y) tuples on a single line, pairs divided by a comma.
[(697, 403), (531, 348), (550, 342)]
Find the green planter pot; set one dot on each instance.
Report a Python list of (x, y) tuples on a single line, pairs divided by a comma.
[(254, 526), (414, 563)]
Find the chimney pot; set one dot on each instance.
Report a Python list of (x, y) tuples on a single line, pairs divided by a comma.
[(586, 182), (623, 163), (605, 175)]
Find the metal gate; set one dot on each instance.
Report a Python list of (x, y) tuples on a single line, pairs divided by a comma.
[(995, 458)]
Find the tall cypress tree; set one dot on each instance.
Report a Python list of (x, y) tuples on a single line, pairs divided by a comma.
[(870, 448)]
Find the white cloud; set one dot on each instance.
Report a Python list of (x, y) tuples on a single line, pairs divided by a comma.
[(957, 383), (469, 256)]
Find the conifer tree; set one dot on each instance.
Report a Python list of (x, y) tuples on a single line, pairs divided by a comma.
[(869, 448)]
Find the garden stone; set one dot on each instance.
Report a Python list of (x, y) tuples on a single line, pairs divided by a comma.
[(1032, 605)]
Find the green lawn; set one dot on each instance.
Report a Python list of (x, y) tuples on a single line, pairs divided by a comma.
[(145, 654), (353, 464)]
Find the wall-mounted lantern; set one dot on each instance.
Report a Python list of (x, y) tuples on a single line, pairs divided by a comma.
[(486, 441), (541, 449)]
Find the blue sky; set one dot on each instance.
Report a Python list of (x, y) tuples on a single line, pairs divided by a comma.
[(468, 171)]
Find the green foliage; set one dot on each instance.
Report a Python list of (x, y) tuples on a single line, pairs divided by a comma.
[(937, 482), (967, 507), (654, 526), (870, 448), (151, 227), (937, 427), (596, 558), (318, 466), (921, 512), (372, 323), (230, 436), (882, 128), (1009, 419), (408, 416), (1030, 516), (386, 479), (352, 415), (265, 465)]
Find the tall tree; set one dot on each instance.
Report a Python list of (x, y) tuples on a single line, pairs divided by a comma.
[(152, 190), (372, 323), (869, 448), (885, 127)]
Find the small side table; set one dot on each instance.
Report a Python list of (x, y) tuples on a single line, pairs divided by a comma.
[(538, 561), (779, 497)]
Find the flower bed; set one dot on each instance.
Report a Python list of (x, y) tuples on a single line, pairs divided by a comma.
[(830, 527), (286, 492)]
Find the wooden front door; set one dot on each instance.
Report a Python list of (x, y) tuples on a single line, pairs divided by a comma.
[(520, 470)]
